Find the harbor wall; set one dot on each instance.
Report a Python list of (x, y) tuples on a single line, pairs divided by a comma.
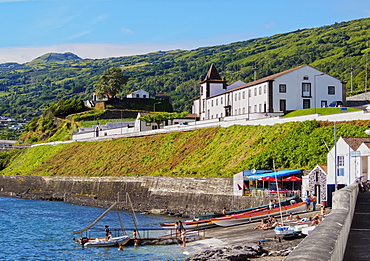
[(183, 196), (329, 239)]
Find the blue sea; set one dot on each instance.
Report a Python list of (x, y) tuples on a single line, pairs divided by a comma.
[(42, 230)]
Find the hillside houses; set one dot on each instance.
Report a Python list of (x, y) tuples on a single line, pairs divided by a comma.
[(302, 87)]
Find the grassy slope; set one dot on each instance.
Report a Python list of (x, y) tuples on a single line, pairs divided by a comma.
[(205, 152), (322, 111)]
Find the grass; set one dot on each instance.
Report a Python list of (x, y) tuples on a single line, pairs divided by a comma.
[(209, 152), (322, 111)]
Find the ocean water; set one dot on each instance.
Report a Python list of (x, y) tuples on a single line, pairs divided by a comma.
[(42, 230)]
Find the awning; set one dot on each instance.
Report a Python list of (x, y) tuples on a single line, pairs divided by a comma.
[(272, 174)]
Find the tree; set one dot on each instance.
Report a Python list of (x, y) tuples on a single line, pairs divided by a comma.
[(158, 118), (110, 83)]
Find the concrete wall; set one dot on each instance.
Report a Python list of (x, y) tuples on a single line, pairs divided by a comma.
[(161, 195), (328, 241)]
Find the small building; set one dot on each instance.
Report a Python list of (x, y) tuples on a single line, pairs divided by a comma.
[(138, 94), (316, 184)]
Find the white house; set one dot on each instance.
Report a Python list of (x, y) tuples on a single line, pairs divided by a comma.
[(298, 88), (351, 164), (138, 94)]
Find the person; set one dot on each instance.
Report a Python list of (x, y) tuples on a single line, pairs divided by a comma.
[(136, 243), (297, 217), (290, 217), (107, 232), (308, 202), (181, 227), (313, 200), (224, 211), (315, 221), (271, 204), (120, 248), (134, 234), (322, 211), (274, 222), (177, 228), (183, 237), (276, 204)]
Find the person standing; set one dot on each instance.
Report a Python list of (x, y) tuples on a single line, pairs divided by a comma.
[(314, 201), (308, 202), (107, 232)]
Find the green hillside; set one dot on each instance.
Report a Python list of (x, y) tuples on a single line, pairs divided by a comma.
[(205, 152), (27, 89)]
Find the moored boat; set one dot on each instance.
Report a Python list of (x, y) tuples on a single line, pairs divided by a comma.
[(247, 217), (200, 223), (103, 242)]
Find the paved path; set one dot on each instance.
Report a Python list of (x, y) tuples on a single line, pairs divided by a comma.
[(358, 244)]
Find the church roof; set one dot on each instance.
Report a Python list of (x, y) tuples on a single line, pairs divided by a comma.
[(213, 75)]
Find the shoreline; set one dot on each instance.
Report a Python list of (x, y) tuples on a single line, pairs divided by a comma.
[(242, 235)]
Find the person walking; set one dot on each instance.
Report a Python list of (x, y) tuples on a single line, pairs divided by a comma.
[(308, 202)]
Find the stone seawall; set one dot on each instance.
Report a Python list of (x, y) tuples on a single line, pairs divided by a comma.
[(161, 195)]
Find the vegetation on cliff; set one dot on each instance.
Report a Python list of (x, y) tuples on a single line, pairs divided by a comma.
[(205, 152)]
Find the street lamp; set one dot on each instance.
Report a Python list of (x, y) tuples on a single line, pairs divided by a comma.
[(314, 86), (155, 104)]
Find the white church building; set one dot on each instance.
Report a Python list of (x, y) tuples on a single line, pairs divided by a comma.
[(302, 87)]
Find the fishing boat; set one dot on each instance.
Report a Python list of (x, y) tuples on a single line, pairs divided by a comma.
[(107, 241), (201, 222), (247, 217)]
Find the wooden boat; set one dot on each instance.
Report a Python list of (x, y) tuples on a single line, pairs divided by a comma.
[(216, 215), (247, 217)]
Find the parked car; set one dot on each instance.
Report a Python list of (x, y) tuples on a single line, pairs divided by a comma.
[(336, 104)]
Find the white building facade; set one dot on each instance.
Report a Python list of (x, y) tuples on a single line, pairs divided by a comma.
[(138, 94), (302, 87)]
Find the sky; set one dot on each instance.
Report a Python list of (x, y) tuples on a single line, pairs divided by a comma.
[(112, 28)]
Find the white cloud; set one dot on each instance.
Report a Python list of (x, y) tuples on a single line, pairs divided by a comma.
[(127, 31), (270, 25)]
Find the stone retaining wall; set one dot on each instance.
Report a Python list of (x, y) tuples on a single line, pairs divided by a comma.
[(160, 195), (328, 241)]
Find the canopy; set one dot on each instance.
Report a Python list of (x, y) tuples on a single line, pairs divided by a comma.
[(272, 174), (292, 178)]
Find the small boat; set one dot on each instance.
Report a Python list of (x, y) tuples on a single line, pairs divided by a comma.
[(248, 217), (102, 242), (105, 241)]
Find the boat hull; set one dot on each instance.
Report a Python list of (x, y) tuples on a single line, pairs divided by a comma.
[(240, 219), (101, 242)]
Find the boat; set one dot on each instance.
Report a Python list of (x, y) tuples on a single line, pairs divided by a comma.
[(103, 242), (243, 218), (206, 221), (289, 230), (108, 241)]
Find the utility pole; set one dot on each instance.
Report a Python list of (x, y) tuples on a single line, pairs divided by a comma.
[(255, 68)]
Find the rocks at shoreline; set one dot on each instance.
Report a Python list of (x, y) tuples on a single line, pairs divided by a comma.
[(234, 253), (238, 253)]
